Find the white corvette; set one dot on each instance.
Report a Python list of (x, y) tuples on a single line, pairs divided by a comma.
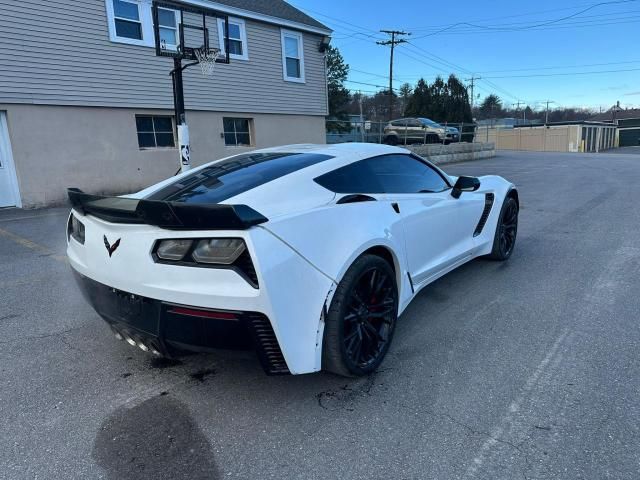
[(306, 253)]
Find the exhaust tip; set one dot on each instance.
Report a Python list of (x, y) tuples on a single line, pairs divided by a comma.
[(117, 334)]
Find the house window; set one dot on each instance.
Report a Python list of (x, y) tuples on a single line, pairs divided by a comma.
[(237, 131), (130, 22), (237, 38), (127, 19), (155, 131), (292, 56), (168, 27)]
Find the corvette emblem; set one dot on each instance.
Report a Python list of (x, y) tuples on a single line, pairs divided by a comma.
[(111, 248)]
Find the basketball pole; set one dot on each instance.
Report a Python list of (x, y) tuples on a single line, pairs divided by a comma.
[(181, 121), (202, 55)]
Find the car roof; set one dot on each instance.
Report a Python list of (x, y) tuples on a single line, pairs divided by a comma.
[(293, 190), (335, 149)]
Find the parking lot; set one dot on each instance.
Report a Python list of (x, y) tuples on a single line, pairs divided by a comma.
[(527, 369)]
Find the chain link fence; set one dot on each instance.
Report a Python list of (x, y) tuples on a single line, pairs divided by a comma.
[(341, 131)]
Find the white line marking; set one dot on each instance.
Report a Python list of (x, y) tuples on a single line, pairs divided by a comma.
[(514, 407)]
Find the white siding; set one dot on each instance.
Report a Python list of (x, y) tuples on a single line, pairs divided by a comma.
[(58, 53)]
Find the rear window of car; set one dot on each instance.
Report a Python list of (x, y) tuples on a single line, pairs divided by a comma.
[(430, 123), (235, 175)]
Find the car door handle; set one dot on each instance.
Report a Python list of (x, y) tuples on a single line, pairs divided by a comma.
[(396, 207)]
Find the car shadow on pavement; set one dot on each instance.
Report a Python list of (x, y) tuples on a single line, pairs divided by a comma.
[(155, 439)]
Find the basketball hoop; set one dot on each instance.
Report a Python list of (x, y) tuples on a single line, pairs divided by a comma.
[(207, 59)]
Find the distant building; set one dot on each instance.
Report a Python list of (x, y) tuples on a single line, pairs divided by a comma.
[(579, 136), (628, 122), (507, 122)]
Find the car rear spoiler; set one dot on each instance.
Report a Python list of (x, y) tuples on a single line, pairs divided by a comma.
[(169, 215)]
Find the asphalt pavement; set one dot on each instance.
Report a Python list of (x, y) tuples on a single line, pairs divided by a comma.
[(526, 369)]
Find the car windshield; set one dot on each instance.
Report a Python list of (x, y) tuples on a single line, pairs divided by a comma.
[(430, 123), (235, 175)]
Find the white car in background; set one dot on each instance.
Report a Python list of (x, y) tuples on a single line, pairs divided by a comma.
[(306, 253)]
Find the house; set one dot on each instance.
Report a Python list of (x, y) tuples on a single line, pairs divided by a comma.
[(628, 122), (85, 102)]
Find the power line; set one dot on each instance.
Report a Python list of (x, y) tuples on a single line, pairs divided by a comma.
[(563, 74), (464, 70), (432, 28), (368, 84), (561, 66), (442, 61), (566, 26), (514, 26), (524, 14), (550, 22)]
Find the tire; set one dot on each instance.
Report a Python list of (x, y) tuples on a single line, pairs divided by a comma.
[(358, 331), (391, 140), (504, 240)]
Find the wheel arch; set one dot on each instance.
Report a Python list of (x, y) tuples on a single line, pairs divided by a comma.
[(389, 256), (387, 253), (513, 193)]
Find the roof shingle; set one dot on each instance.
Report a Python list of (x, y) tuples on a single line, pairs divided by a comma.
[(275, 8)]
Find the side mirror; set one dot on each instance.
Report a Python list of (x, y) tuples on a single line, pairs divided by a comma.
[(465, 184)]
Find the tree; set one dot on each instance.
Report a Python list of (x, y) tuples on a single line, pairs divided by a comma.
[(439, 94), (491, 107), (405, 95), (339, 95), (458, 108), (420, 103)]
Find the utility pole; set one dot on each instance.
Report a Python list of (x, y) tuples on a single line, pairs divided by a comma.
[(393, 42), (616, 109), (361, 116), (472, 81), (546, 115), (518, 108)]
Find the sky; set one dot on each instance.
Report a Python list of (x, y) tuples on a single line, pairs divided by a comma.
[(574, 53)]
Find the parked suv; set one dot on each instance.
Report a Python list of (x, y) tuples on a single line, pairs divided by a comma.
[(418, 130)]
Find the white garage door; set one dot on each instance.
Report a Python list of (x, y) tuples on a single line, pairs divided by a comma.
[(8, 184)]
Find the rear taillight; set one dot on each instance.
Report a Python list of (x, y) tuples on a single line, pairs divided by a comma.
[(219, 252), (173, 250), (211, 251), (75, 229)]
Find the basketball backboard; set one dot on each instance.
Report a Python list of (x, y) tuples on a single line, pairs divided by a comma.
[(183, 30)]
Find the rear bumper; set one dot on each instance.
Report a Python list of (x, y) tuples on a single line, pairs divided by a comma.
[(171, 329)]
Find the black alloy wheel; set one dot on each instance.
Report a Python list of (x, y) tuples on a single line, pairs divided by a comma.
[(506, 232), (362, 318)]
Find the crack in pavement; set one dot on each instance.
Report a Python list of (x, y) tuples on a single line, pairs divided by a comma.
[(48, 335)]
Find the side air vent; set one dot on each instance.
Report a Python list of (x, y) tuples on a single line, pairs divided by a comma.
[(488, 203), (267, 345), (355, 199)]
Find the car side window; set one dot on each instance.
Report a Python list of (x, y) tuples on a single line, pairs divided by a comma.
[(396, 173), (354, 178), (406, 174)]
